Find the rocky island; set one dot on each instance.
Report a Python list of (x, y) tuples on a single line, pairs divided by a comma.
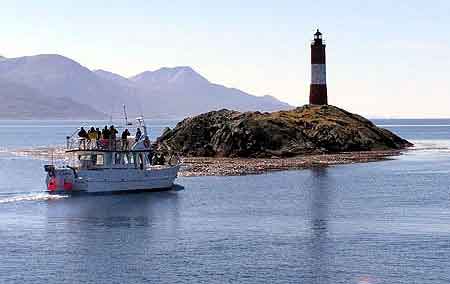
[(231, 142), (304, 130)]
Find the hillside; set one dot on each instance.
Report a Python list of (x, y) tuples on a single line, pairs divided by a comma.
[(194, 94), (21, 102), (60, 77), (304, 130), (166, 92)]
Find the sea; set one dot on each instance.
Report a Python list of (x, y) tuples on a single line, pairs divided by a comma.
[(378, 222)]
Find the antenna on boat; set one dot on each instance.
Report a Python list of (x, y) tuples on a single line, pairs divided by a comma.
[(126, 116), (51, 152)]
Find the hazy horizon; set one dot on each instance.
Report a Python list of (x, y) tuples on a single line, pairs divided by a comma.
[(384, 59)]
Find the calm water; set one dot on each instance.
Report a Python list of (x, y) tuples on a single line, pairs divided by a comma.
[(383, 222)]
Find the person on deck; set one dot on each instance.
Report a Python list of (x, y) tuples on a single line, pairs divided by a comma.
[(91, 132), (92, 137), (104, 143), (105, 133), (82, 134), (138, 135), (112, 137), (99, 136), (125, 135), (148, 146)]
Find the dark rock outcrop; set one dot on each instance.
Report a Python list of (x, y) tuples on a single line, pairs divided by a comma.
[(304, 130)]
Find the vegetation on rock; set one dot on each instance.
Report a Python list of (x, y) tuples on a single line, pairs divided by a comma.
[(305, 130)]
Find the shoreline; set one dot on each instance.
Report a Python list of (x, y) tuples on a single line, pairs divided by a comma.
[(214, 166), (208, 166)]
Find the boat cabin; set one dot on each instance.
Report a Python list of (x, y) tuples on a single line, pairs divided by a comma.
[(97, 160)]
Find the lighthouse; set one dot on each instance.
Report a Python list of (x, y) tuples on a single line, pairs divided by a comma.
[(318, 88)]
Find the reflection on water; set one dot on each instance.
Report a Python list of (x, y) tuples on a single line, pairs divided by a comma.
[(127, 210), (321, 188), (87, 230)]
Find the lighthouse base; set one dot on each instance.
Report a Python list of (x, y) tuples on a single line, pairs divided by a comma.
[(318, 94)]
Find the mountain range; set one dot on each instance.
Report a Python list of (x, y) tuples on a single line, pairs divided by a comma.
[(54, 86)]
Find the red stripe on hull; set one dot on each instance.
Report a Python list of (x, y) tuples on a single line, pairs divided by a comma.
[(318, 94)]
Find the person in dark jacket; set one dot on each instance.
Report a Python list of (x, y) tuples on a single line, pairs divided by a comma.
[(99, 136), (105, 133), (112, 132), (138, 135), (112, 137), (105, 138), (83, 135), (125, 135)]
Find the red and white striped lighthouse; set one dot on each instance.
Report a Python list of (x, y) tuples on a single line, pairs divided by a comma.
[(318, 89)]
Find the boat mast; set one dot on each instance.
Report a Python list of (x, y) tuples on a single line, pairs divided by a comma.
[(125, 114)]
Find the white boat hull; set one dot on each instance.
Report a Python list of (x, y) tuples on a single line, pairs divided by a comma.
[(121, 180)]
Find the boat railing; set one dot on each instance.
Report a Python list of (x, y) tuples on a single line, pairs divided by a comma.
[(74, 143)]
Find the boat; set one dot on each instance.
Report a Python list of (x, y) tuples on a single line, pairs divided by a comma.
[(111, 165)]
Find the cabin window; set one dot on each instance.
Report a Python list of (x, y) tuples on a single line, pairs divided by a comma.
[(89, 160), (85, 157), (99, 160)]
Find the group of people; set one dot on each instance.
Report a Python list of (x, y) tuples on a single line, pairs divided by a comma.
[(107, 137)]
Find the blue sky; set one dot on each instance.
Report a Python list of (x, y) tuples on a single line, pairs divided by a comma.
[(384, 58)]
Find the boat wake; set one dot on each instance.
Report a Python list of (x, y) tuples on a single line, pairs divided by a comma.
[(39, 152), (13, 198)]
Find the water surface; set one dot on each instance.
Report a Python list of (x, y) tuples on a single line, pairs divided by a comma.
[(382, 222)]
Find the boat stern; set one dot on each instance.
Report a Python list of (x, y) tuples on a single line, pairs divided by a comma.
[(59, 179)]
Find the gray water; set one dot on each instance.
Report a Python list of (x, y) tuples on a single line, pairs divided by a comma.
[(381, 222)]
